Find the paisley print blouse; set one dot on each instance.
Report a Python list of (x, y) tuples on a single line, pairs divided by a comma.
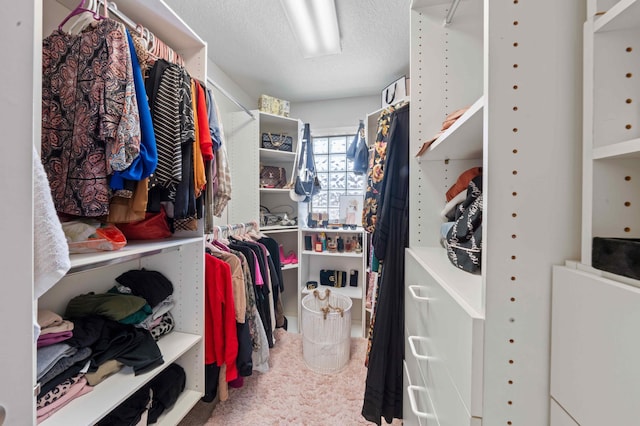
[(90, 122), (375, 172)]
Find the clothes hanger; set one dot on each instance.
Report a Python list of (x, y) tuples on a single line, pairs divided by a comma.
[(81, 9)]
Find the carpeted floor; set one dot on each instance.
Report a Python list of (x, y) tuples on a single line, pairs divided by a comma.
[(291, 394)]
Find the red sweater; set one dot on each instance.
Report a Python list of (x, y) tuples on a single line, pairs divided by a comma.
[(220, 335)]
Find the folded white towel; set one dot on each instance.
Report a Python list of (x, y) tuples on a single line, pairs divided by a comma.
[(50, 250)]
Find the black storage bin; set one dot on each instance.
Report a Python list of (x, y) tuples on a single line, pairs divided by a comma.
[(617, 255)]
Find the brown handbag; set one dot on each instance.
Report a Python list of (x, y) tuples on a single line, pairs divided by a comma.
[(272, 177)]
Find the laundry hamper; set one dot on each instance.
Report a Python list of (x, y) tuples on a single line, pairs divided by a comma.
[(326, 331)]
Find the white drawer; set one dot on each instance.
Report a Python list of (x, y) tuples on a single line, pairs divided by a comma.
[(455, 331), (432, 374), (417, 407), (595, 348)]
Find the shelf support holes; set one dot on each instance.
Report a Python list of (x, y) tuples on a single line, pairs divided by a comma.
[(627, 204)]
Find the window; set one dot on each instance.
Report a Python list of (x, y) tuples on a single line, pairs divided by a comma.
[(335, 173)]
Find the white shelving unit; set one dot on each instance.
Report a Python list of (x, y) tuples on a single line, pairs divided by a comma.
[(244, 136), (477, 346), (179, 259), (311, 262), (595, 315)]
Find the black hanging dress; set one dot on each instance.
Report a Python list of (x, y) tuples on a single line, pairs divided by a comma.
[(383, 392)]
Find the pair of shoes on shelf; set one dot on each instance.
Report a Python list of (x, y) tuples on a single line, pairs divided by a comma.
[(288, 222), (290, 259)]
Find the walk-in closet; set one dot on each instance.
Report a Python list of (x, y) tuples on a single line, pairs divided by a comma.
[(320, 212)]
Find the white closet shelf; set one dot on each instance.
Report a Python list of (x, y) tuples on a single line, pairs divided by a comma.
[(276, 156), (274, 190), (464, 288), (276, 229), (350, 292), (106, 396), (336, 230), (274, 119), (417, 4), (133, 250), (461, 141), (186, 401), (290, 266), (167, 26), (327, 253), (626, 149), (623, 15)]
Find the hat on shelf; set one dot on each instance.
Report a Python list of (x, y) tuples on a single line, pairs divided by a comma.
[(448, 121)]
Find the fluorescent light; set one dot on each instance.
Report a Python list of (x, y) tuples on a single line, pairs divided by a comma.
[(315, 25)]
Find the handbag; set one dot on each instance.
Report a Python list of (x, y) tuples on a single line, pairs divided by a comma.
[(277, 142), (464, 239), (333, 277), (273, 177), (153, 226), (307, 183), (353, 146)]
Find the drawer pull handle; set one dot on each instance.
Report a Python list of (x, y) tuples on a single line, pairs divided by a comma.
[(411, 389), (414, 351), (415, 295)]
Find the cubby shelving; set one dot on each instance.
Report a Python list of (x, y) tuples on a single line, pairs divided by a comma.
[(488, 334), (595, 312), (311, 262), (179, 258)]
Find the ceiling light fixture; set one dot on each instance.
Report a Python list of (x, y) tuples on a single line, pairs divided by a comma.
[(315, 25)]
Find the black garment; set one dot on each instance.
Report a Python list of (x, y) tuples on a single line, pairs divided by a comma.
[(131, 346), (86, 331), (211, 377), (152, 286), (261, 291), (274, 250), (167, 387), (159, 395), (244, 361), (129, 412), (383, 392)]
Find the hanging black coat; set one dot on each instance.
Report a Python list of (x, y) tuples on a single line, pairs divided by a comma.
[(383, 392)]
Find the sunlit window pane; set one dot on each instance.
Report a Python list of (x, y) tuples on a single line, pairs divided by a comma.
[(320, 145), (335, 174), (338, 163), (338, 145), (322, 163)]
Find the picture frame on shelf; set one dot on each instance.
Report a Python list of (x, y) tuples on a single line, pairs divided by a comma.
[(351, 209)]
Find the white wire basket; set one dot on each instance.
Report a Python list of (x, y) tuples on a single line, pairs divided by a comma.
[(326, 331)]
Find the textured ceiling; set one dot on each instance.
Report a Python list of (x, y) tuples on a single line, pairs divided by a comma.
[(252, 42)]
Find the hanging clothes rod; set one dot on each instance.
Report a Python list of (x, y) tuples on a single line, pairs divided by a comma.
[(452, 11), (231, 98), (113, 8), (230, 229)]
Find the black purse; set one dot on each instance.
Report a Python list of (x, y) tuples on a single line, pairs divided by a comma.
[(277, 142), (333, 278)]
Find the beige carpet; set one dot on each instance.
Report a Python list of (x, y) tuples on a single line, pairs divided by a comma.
[(291, 394)]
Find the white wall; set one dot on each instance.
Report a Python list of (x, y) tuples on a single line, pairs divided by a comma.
[(226, 106), (335, 116), (230, 86)]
